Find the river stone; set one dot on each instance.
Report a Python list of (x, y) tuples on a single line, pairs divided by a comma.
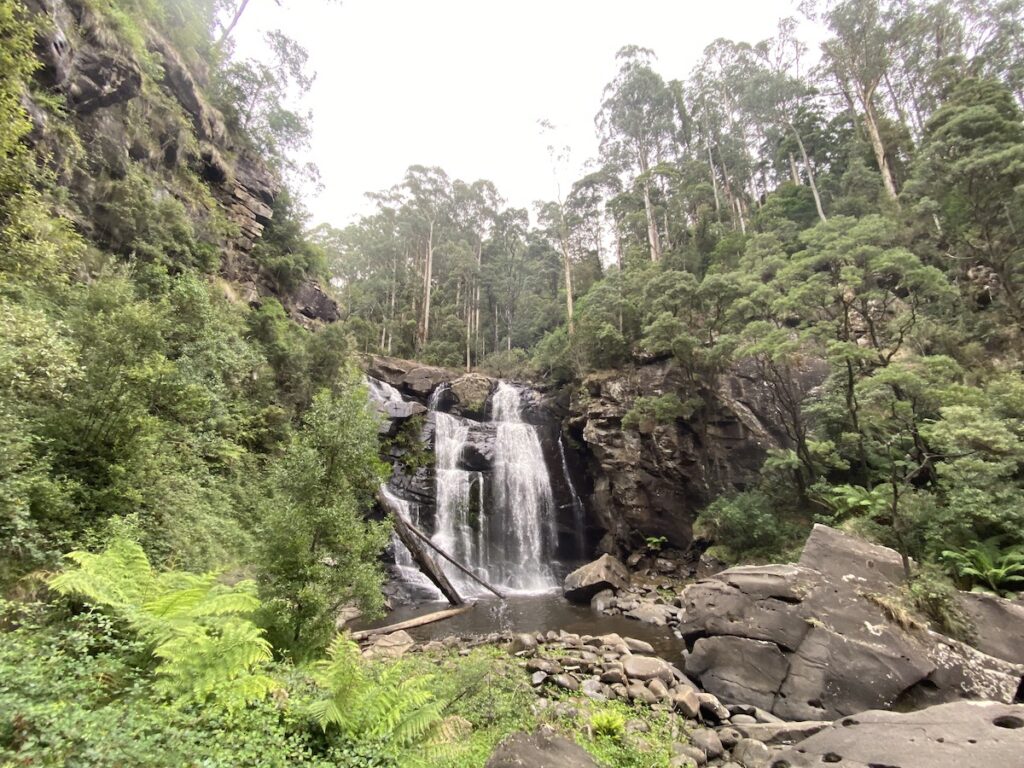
[(685, 702), (612, 676), (640, 692), (851, 559), (738, 669), (647, 668), (543, 748), (729, 736), (739, 720), (392, 646), (604, 573), (651, 613), (658, 688), (712, 707), (690, 751), (593, 689), (958, 734), (470, 392), (538, 678), (751, 753), (543, 665), (568, 682), (523, 643), (708, 742), (638, 646)]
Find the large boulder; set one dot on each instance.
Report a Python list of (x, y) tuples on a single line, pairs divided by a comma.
[(815, 641), (470, 393), (966, 733), (543, 748), (604, 573)]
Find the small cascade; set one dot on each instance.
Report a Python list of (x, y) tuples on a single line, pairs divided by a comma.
[(522, 496), (405, 567), (458, 497), (579, 513)]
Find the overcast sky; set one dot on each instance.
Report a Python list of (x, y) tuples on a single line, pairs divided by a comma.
[(462, 84)]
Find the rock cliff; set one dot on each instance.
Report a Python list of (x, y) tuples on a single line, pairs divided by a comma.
[(143, 105), (654, 480)]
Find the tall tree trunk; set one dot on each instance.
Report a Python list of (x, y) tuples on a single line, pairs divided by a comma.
[(652, 227), (793, 172), (714, 184), (871, 125), (567, 265), (810, 171), (428, 279), (234, 23)]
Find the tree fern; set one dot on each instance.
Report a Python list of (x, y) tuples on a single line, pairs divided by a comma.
[(207, 650), (386, 708), (990, 567)]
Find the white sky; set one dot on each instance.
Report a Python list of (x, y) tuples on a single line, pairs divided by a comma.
[(462, 83)]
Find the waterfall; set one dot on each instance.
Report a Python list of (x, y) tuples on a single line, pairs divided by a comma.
[(522, 495), (504, 533)]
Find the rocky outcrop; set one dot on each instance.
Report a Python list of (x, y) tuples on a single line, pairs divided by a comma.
[(815, 641), (653, 481), (998, 625), (964, 733), (543, 748), (604, 573)]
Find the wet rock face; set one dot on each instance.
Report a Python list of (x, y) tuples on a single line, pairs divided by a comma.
[(654, 481), (956, 734), (812, 642)]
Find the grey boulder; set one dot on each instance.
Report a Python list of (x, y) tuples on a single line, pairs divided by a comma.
[(604, 573)]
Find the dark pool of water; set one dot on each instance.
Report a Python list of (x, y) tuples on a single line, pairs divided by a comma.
[(532, 613)]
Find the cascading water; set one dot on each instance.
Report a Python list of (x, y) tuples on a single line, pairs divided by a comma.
[(522, 495), (504, 533)]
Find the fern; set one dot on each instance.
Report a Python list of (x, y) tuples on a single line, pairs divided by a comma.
[(386, 709), (990, 567), (207, 650)]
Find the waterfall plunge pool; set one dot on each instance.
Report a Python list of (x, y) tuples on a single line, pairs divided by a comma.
[(530, 613)]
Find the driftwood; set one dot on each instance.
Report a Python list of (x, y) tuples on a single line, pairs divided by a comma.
[(423, 559), (423, 537), (419, 621)]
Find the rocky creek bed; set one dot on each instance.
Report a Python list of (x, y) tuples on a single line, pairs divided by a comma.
[(779, 665)]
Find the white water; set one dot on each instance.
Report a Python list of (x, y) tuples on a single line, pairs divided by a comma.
[(508, 542), (522, 496)]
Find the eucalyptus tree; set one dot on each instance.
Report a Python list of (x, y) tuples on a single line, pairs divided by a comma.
[(859, 56), (635, 124), (775, 94)]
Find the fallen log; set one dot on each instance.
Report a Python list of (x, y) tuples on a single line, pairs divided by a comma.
[(412, 542), (426, 540), (419, 621)]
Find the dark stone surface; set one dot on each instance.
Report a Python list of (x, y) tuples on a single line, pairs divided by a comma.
[(965, 734), (739, 669), (843, 653), (541, 749), (653, 482)]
